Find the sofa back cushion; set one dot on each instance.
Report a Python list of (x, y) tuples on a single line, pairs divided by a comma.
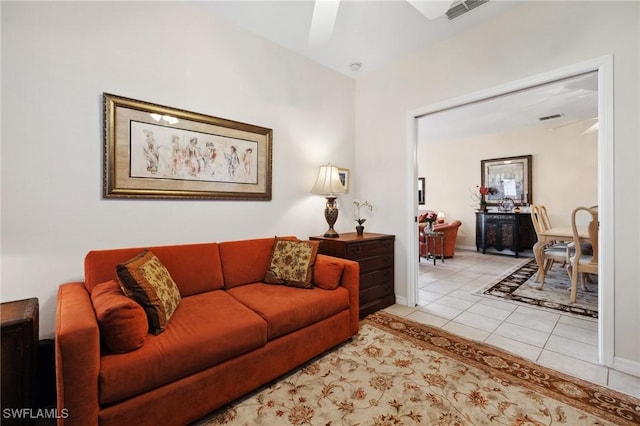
[(195, 268), (246, 261), (449, 225)]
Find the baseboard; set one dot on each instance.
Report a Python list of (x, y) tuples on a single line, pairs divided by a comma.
[(627, 366), (402, 301), (526, 253)]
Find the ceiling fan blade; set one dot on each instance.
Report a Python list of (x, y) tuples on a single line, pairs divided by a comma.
[(431, 9), (323, 20)]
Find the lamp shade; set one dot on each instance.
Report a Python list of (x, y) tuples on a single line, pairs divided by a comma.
[(328, 181)]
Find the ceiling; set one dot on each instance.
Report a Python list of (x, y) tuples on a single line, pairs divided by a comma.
[(371, 32), (375, 33), (575, 99)]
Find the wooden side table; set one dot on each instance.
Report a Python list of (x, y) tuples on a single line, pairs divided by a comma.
[(374, 253), (19, 343), (431, 237)]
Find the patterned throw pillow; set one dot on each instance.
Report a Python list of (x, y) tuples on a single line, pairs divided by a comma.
[(145, 279), (292, 263)]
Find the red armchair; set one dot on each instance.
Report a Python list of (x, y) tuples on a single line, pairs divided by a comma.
[(450, 235)]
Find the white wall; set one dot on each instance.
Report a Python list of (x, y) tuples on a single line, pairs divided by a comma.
[(59, 57), (57, 60), (528, 40), (564, 171)]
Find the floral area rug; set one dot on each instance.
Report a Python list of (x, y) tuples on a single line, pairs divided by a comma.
[(519, 286), (397, 372)]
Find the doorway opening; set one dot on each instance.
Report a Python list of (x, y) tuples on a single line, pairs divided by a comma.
[(604, 68)]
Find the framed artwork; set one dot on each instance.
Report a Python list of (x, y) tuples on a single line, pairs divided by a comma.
[(421, 184), (344, 178), (155, 151), (508, 177)]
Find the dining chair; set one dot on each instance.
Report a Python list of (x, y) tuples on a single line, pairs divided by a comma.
[(544, 215), (582, 262), (554, 251)]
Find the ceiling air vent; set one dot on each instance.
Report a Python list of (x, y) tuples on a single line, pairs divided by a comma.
[(461, 7), (549, 117)]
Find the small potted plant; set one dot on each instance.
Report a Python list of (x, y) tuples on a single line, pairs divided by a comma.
[(359, 219), (430, 217), (484, 191)]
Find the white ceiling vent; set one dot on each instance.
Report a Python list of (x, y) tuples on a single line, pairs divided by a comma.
[(461, 7)]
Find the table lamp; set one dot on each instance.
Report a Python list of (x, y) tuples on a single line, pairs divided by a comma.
[(328, 184)]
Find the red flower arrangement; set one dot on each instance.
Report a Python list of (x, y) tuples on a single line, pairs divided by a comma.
[(431, 217), (484, 191)]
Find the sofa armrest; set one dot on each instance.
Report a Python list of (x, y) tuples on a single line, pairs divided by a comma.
[(77, 341), (351, 281)]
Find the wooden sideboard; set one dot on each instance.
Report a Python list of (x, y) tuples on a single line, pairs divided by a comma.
[(504, 233), (375, 254)]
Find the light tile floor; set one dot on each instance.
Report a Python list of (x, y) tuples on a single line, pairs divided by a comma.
[(448, 300)]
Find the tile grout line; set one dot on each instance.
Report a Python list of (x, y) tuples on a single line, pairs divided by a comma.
[(548, 334), (544, 347)]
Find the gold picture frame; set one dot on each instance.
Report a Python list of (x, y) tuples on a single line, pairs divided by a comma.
[(344, 178), (155, 151), (508, 177)]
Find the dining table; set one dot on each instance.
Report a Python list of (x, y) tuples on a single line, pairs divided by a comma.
[(559, 234)]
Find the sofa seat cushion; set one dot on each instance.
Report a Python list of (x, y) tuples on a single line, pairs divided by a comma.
[(287, 309), (205, 330)]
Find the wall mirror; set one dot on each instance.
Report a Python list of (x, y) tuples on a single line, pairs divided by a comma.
[(508, 177)]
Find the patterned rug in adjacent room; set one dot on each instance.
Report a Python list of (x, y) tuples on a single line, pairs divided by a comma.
[(398, 372), (519, 286)]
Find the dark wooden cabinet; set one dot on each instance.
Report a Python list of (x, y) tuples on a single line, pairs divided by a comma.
[(505, 233), (375, 254), (19, 345)]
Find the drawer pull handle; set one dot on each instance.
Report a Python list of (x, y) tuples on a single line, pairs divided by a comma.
[(356, 250)]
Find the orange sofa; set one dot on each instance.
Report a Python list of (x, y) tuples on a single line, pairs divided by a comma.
[(230, 334), (450, 235)]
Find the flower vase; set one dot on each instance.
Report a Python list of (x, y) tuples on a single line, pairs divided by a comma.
[(483, 203), (429, 226), (359, 229)]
